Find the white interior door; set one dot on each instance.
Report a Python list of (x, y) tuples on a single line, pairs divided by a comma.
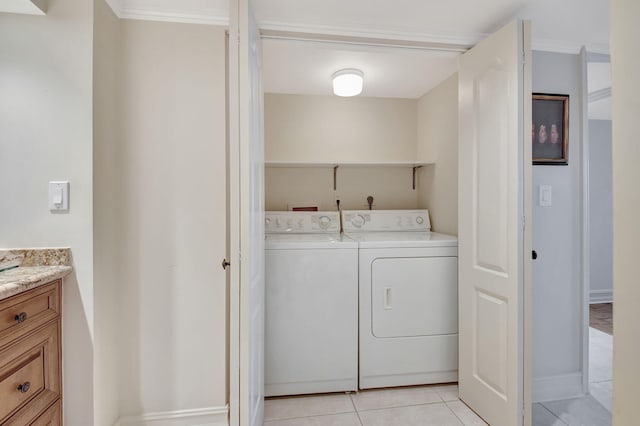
[(494, 205), (246, 202)]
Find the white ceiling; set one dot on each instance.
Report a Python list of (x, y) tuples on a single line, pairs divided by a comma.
[(299, 67), (306, 67)]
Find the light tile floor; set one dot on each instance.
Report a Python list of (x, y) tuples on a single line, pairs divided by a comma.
[(590, 410), (436, 405)]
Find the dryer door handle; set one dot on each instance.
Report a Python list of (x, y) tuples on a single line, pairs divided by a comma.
[(387, 298)]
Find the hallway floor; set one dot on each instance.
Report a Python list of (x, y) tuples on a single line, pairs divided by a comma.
[(436, 405), (601, 317), (590, 410)]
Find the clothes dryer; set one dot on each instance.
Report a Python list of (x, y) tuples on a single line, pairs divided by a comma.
[(408, 298)]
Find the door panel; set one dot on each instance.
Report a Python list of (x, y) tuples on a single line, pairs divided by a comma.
[(490, 163), (490, 364), (494, 169)]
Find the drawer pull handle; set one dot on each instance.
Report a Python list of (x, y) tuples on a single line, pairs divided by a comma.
[(21, 317), (24, 387)]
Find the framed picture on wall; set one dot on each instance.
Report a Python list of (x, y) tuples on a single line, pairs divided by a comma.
[(550, 129)]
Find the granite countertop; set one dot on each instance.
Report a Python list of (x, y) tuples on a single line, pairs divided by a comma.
[(31, 268)]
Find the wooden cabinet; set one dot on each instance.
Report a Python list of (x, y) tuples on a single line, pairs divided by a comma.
[(30, 357), (51, 417)]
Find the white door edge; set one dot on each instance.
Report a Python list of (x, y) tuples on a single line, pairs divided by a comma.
[(527, 324), (585, 255), (233, 139)]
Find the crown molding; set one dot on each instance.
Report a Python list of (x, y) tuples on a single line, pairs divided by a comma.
[(464, 41), (191, 17), (116, 6), (598, 95), (202, 17), (570, 47), (26, 7), (360, 41), (598, 57)]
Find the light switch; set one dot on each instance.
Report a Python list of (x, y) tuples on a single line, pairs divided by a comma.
[(59, 196), (545, 195)]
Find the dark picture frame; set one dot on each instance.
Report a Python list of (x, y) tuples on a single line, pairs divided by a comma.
[(550, 129)]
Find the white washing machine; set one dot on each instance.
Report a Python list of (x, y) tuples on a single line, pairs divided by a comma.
[(408, 283), (311, 302)]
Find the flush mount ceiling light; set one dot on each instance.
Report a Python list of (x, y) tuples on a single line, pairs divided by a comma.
[(348, 82)]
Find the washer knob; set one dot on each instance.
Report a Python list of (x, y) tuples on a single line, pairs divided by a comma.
[(267, 221), (278, 222), (419, 220), (324, 221), (289, 223), (357, 220)]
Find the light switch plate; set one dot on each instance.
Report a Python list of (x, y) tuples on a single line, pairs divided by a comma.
[(59, 196), (545, 196)]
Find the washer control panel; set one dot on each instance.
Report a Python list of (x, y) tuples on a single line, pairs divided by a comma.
[(285, 222), (385, 220)]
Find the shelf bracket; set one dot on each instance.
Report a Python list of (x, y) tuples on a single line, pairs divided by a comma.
[(414, 175), (335, 174)]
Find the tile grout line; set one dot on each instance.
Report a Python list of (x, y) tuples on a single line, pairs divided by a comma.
[(454, 413), (306, 417), (407, 405), (313, 415), (552, 413), (355, 408)]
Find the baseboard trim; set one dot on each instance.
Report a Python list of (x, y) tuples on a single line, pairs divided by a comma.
[(601, 296), (557, 387), (213, 416)]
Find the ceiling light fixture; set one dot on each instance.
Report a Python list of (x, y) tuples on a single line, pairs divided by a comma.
[(348, 82)]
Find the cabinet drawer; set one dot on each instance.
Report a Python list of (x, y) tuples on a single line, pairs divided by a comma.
[(29, 375), (27, 311), (51, 417)]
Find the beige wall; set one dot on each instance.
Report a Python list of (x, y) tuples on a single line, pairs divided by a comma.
[(46, 134), (390, 187), (171, 194), (324, 128), (107, 232), (438, 143), (329, 128), (625, 67)]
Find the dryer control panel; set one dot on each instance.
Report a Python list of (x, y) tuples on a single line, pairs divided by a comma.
[(285, 222), (385, 220)]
